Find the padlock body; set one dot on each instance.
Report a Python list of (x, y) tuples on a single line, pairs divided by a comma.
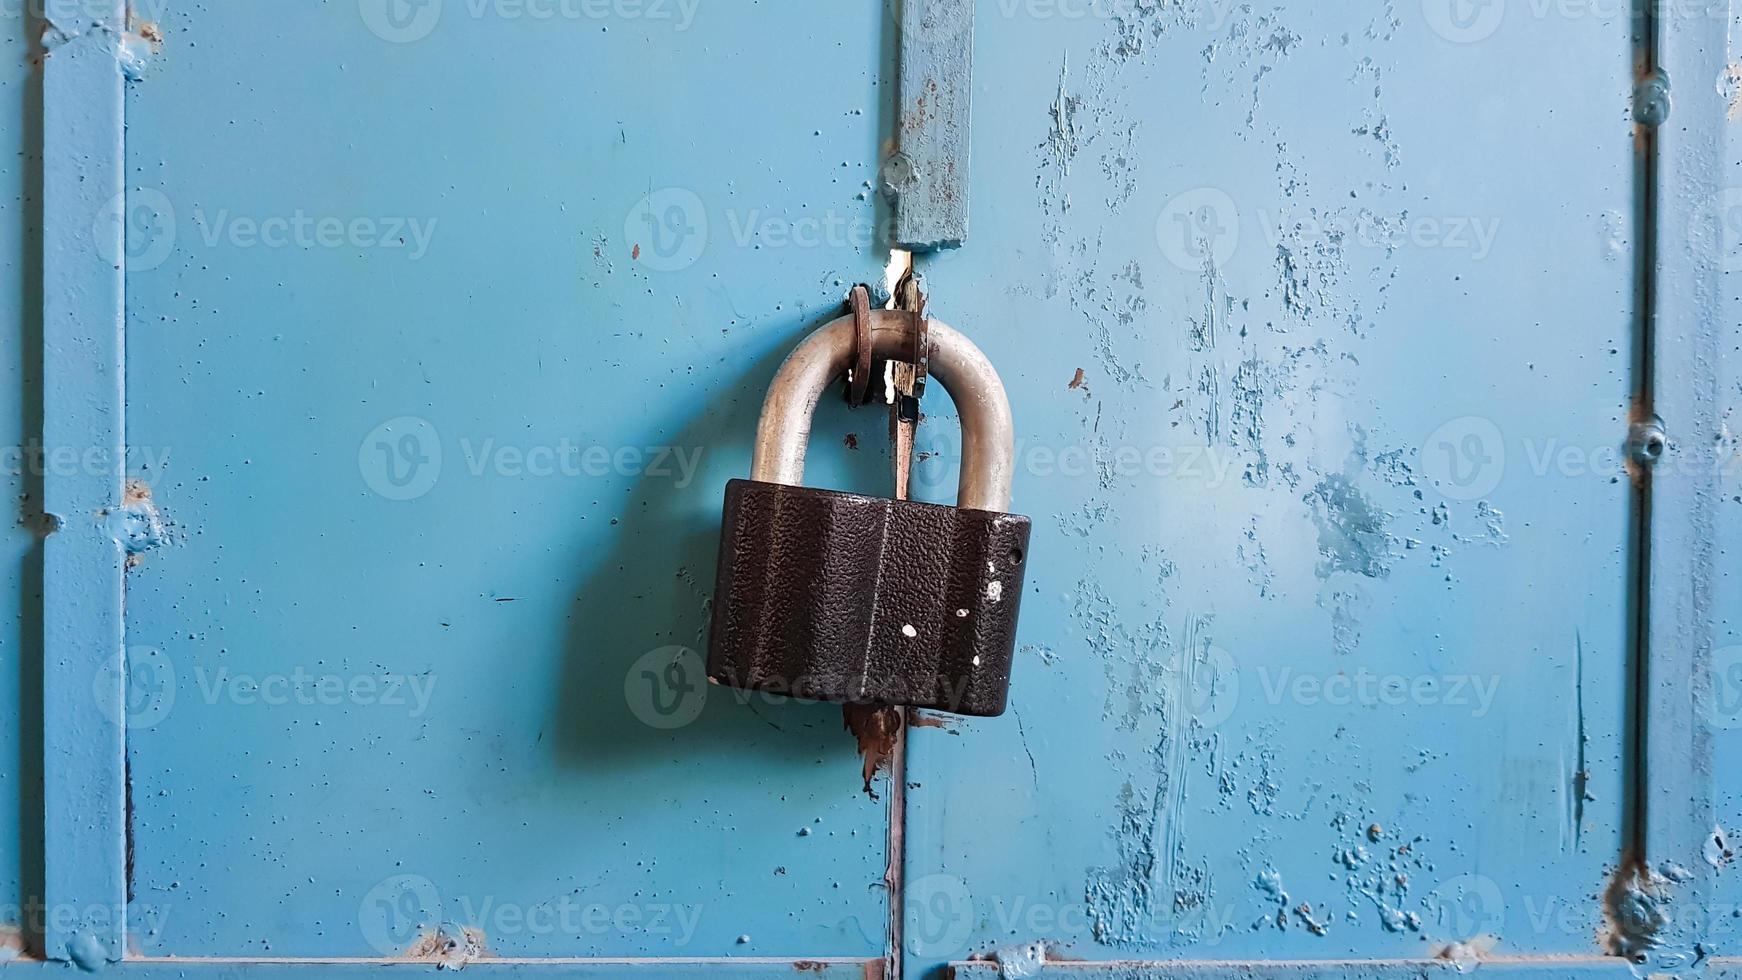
[(833, 596)]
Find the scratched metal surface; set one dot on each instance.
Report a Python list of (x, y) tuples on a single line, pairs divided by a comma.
[(21, 296), (530, 310), (1350, 683)]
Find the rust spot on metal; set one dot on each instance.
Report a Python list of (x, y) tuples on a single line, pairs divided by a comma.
[(920, 719), (146, 29), (852, 440), (810, 966), (876, 727), (449, 952), (1078, 381)]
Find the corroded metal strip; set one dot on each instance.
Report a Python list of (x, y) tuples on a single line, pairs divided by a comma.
[(927, 175)]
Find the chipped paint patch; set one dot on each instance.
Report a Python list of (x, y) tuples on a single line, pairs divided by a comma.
[(449, 947), (1636, 906), (1352, 529), (1730, 87), (138, 525), (133, 45), (1466, 956), (1019, 962), (1719, 850), (1159, 891), (87, 952), (138, 46), (11, 943)]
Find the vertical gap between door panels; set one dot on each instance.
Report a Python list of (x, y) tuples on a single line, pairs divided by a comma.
[(1645, 41), (1632, 863), (900, 262)]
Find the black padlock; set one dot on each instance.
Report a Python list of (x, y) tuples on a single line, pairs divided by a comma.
[(833, 596)]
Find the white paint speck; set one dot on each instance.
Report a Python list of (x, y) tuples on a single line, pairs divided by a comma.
[(976, 660), (994, 590), (961, 614), (909, 632)]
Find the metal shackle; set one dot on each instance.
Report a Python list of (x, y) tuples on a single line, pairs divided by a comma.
[(988, 433)]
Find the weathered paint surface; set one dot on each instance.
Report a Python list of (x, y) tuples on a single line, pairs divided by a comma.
[(380, 447), (1713, 448), (441, 346), (1326, 644)]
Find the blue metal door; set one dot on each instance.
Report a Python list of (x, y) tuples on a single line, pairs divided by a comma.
[(380, 365)]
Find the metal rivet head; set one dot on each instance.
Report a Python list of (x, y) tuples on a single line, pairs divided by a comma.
[(1647, 442), (1651, 101)]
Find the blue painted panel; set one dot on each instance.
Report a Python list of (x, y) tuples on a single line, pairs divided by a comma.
[(20, 484), (1694, 799), (443, 343), (1560, 969), (1324, 651), (745, 968), (1715, 251)]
